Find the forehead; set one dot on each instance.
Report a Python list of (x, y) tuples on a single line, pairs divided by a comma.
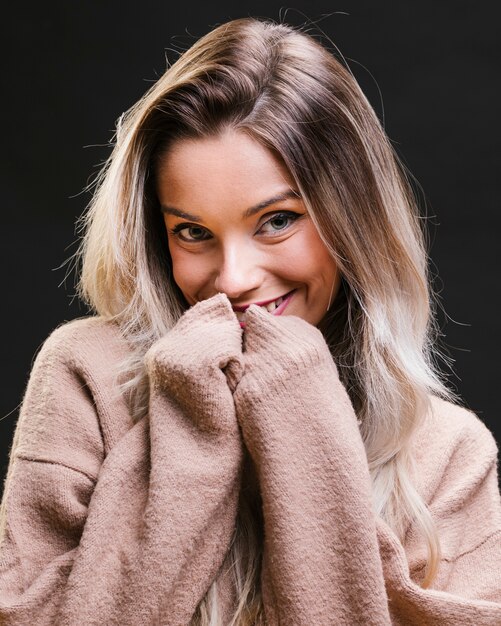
[(230, 168)]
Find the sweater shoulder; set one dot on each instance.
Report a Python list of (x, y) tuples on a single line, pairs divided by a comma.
[(89, 348), (452, 446), (72, 404), (457, 426), (81, 337)]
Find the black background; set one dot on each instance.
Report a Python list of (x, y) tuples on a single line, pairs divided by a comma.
[(71, 68)]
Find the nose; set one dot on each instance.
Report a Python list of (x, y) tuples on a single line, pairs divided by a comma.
[(239, 271)]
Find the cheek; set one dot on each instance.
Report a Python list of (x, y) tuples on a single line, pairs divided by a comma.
[(305, 257), (190, 271)]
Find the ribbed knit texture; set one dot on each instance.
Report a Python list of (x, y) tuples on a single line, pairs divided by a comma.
[(111, 522)]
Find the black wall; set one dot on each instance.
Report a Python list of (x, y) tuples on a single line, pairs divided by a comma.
[(70, 68)]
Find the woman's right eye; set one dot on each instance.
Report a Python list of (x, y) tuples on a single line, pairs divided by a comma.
[(195, 233)]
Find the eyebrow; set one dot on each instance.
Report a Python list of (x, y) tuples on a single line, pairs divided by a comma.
[(285, 195)]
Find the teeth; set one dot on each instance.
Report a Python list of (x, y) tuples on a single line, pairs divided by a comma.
[(272, 306)]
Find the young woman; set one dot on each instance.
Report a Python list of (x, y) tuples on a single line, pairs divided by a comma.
[(251, 430)]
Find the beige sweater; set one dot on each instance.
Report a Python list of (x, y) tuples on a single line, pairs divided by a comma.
[(107, 522)]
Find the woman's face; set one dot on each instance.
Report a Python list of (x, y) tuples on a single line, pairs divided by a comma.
[(237, 225)]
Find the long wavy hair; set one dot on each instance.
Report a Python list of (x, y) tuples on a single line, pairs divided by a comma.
[(294, 96)]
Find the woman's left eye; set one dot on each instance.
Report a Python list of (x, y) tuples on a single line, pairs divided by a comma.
[(280, 222)]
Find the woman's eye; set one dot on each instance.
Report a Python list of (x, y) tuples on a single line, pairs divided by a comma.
[(279, 222), (194, 233)]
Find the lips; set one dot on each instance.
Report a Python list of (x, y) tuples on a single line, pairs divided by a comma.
[(244, 307), (270, 305)]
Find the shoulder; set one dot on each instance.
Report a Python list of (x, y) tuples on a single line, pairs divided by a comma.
[(81, 338), (455, 422), (450, 426), (88, 354), (452, 446), (72, 408)]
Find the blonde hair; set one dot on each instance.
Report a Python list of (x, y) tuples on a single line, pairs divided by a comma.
[(294, 96)]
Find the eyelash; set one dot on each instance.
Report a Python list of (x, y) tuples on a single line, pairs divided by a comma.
[(287, 214)]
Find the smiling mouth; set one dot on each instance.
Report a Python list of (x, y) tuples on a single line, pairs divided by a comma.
[(275, 307)]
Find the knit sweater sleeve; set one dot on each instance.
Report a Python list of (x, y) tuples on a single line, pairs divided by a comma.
[(328, 559), (136, 537)]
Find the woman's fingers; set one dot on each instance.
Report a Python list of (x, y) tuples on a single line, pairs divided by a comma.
[(199, 362), (280, 342)]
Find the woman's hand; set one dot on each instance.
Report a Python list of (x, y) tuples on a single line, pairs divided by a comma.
[(199, 361), (281, 346)]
